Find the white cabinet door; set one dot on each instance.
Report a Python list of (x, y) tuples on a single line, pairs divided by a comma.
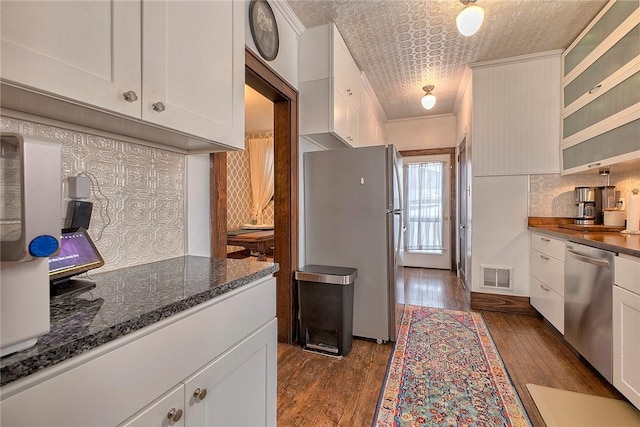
[(193, 68), (626, 344), (167, 410), (238, 388), (93, 58)]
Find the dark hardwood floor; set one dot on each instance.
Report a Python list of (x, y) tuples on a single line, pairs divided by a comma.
[(315, 390)]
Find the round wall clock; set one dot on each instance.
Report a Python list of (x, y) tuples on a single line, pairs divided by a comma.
[(264, 29)]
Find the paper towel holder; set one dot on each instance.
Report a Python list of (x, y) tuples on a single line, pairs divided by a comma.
[(632, 229)]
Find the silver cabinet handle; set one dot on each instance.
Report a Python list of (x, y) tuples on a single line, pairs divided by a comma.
[(158, 107), (544, 288), (544, 239), (200, 393), (546, 258), (593, 165), (174, 415), (349, 92), (594, 89), (130, 96)]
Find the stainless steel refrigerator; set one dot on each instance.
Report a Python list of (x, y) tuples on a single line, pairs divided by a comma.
[(354, 218)]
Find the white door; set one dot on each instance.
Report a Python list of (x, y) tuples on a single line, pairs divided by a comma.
[(87, 51), (427, 240), (193, 68)]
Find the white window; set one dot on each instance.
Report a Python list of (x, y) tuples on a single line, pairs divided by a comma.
[(424, 206)]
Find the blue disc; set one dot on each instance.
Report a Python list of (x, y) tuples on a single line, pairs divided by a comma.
[(43, 246)]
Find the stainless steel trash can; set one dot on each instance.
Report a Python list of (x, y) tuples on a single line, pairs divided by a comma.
[(325, 301)]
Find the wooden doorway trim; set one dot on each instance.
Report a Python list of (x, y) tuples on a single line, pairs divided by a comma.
[(452, 190), (267, 82)]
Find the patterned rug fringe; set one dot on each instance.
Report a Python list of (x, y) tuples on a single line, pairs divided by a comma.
[(445, 371)]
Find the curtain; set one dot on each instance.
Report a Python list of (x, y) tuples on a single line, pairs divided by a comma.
[(261, 174), (424, 206)]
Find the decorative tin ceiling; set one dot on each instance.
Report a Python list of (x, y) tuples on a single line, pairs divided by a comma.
[(403, 45)]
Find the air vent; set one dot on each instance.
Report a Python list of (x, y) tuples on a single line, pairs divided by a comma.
[(496, 277)]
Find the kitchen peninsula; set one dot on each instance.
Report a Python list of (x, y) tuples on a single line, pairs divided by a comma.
[(176, 339)]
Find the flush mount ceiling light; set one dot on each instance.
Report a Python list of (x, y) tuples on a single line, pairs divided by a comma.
[(429, 99), (470, 19)]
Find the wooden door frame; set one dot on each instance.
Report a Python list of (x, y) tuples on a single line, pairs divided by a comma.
[(267, 82), (452, 191)]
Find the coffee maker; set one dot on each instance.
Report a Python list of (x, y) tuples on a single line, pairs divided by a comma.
[(588, 204)]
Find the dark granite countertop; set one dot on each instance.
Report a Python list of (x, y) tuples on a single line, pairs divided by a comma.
[(127, 300), (609, 241)]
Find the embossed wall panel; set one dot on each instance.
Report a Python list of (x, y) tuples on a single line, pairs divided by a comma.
[(139, 207), (552, 195)]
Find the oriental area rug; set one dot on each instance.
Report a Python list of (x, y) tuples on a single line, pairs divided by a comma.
[(445, 371)]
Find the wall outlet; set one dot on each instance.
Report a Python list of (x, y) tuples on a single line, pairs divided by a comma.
[(79, 187)]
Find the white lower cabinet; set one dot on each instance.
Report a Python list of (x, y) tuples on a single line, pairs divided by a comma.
[(226, 346), (626, 327), (547, 278), (238, 389)]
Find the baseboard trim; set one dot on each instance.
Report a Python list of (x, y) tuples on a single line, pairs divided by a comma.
[(502, 303)]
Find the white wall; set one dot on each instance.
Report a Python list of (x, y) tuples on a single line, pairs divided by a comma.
[(422, 133), (306, 146), (500, 236), (289, 28), (463, 110), (198, 206)]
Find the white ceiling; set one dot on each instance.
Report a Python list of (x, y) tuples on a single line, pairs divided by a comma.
[(403, 45)]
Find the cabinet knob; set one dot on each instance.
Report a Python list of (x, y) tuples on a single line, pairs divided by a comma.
[(130, 96), (174, 415), (158, 106), (200, 393), (546, 258), (593, 165), (544, 239)]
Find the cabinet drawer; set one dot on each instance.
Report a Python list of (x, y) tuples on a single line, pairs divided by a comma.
[(619, 141), (549, 303), (621, 97), (548, 246), (627, 274), (548, 270)]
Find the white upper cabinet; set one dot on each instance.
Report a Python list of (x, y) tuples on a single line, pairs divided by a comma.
[(165, 71), (601, 91), (516, 115), (329, 88), (87, 51), (193, 67), (372, 117)]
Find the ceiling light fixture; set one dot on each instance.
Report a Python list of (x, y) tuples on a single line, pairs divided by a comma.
[(470, 19), (429, 99)]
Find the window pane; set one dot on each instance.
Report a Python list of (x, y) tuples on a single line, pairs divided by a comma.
[(424, 206)]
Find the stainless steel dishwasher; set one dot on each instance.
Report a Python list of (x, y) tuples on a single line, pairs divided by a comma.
[(588, 293)]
